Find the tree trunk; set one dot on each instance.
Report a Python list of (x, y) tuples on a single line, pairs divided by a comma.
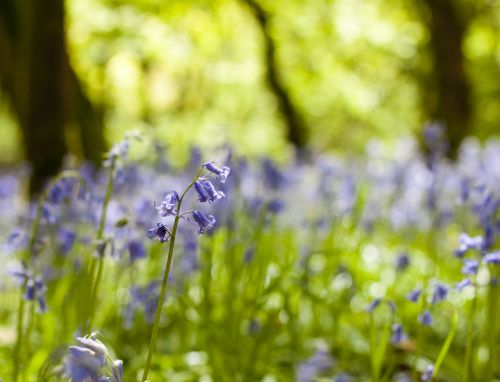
[(452, 104), (297, 132)]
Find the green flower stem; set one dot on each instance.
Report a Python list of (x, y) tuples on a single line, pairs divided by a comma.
[(99, 262), (446, 346), (491, 328), (27, 258), (469, 339), (163, 291)]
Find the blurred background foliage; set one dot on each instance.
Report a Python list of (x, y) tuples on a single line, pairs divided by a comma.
[(247, 72)]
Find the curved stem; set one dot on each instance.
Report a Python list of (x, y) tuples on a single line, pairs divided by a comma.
[(163, 291)]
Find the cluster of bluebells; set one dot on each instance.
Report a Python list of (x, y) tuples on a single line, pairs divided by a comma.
[(90, 361), (205, 191)]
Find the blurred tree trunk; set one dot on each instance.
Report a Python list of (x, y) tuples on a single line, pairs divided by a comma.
[(451, 104), (45, 93), (297, 132)]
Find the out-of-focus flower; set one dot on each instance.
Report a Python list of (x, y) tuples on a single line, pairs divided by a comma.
[(402, 261), (35, 287), (414, 295), (398, 335), (492, 258), (425, 318), (90, 361), (320, 362), (136, 250), (468, 243), (371, 307), (427, 374), (440, 292), (66, 240), (143, 298), (470, 267), (462, 284)]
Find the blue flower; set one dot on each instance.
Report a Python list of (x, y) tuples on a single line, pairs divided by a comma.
[(425, 318), (470, 267), (468, 243), (206, 191), (414, 295), (440, 293), (66, 240), (402, 262), (427, 374), (160, 232), (35, 287), (492, 258), (318, 363), (204, 222), (462, 284), (222, 173), (136, 250), (371, 307), (168, 206), (90, 361), (398, 334)]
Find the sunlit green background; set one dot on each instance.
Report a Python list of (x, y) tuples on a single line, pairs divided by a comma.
[(192, 71)]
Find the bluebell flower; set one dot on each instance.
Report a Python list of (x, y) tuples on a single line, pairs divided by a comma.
[(273, 177), (160, 232), (489, 237), (90, 361), (276, 205), (371, 307), (168, 206), (440, 293), (222, 173), (66, 240), (470, 267), (35, 287), (414, 294), (427, 374), (320, 362), (425, 318), (144, 298), (204, 222), (398, 335), (462, 284), (206, 191), (492, 258), (136, 250), (402, 262), (468, 243)]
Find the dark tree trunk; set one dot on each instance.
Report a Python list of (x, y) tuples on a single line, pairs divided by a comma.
[(44, 91), (451, 104), (43, 131), (297, 132)]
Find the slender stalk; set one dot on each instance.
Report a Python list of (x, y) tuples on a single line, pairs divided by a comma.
[(491, 329), (99, 236), (163, 291), (446, 346), (17, 348), (470, 338)]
